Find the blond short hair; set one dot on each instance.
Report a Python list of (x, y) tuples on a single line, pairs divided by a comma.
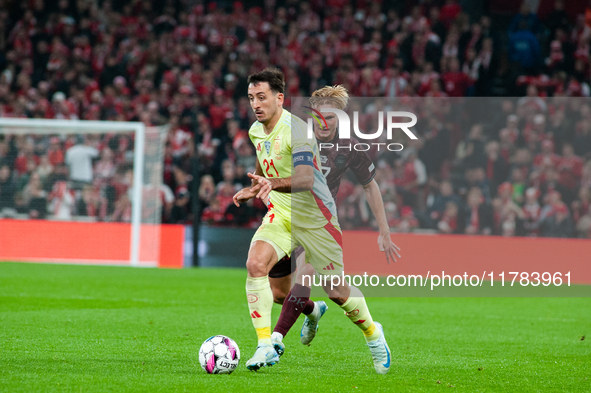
[(336, 96)]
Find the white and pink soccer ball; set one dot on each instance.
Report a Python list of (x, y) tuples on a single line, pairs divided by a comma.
[(219, 355)]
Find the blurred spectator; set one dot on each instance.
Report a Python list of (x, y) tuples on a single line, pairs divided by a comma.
[(224, 195), (407, 220), (522, 160), (524, 48), (436, 147), (411, 176), (7, 192), (570, 168), (547, 158), (518, 184), (580, 206), (508, 216), (55, 152), (34, 197), (175, 206), (558, 224), (180, 210), (532, 102), (556, 59), (26, 159), (8, 151), (91, 204), (206, 191), (558, 18), (446, 194), (508, 137), (449, 221), (476, 177), (449, 12), (104, 169), (392, 84), (496, 166), (79, 159), (531, 211), (550, 183), (45, 168), (456, 82), (479, 215), (122, 211), (525, 18), (586, 175), (584, 225), (582, 141), (470, 151), (62, 201), (214, 213)]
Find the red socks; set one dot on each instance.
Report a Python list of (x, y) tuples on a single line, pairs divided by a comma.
[(296, 302)]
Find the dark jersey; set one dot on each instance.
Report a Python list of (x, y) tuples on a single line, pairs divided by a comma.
[(336, 161)]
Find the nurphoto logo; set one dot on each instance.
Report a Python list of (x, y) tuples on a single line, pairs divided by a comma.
[(344, 128)]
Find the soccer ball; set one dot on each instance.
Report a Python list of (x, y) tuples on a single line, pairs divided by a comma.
[(219, 355)]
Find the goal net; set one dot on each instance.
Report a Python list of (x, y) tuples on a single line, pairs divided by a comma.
[(80, 191)]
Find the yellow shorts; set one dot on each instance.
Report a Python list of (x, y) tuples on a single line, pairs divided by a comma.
[(275, 230), (323, 245)]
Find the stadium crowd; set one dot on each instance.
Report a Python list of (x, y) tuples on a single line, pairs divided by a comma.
[(185, 64)]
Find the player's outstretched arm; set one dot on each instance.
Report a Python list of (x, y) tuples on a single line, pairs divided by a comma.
[(302, 180), (374, 198)]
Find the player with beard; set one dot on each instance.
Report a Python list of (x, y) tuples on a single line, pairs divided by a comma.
[(334, 164)]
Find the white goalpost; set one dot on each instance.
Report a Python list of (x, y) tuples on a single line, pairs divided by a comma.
[(143, 190)]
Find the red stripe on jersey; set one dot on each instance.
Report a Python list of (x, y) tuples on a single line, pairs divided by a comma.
[(327, 214), (334, 232), (315, 161)]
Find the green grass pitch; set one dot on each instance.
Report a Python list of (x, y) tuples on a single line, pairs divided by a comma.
[(116, 329)]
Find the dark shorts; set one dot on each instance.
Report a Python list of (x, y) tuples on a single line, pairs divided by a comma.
[(285, 267)]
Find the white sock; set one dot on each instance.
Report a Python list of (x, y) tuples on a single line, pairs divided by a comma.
[(276, 336)]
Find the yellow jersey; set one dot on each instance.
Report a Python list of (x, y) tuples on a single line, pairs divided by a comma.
[(278, 153)]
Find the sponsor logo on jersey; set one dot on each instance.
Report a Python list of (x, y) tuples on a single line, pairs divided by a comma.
[(340, 161), (259, 147)]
